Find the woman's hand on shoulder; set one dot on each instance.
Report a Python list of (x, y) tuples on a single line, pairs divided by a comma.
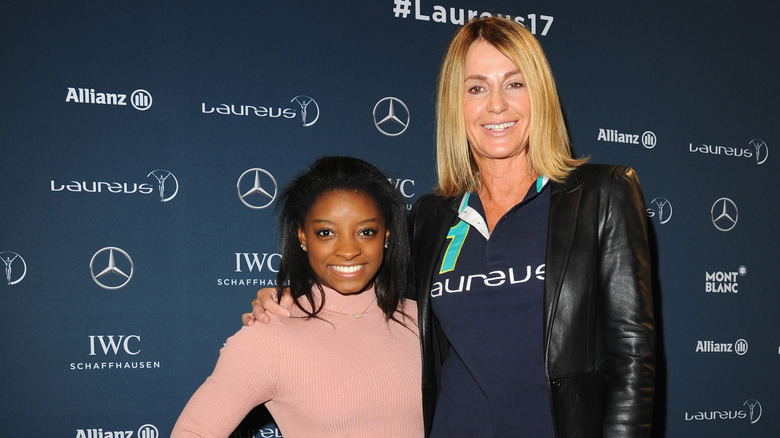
[(266, 302)]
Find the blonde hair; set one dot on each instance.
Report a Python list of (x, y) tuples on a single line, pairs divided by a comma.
[(549, 146)]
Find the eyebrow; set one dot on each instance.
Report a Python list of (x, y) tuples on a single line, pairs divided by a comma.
[(483, 77), (326, 221)]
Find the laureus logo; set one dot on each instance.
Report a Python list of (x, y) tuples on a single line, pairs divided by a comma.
[(310, 111), (762, 150), (15, 267), (660, 209), (162, 176)]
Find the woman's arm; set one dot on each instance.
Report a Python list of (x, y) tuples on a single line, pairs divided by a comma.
[(625, 282), (244, 377)]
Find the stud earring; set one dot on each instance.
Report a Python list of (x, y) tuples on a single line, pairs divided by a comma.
[(386, 245), (303, 248)]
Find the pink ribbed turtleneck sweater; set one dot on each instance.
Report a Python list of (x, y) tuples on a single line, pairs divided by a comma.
[(331, 377)]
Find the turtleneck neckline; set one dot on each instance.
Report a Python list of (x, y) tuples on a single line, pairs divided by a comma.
[(353, 303)]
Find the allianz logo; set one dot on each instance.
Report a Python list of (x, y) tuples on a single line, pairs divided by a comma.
[(140, 99), (740, 346), (646, 139), (145, 431)]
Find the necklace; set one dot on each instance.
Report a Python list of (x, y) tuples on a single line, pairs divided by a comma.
[(354, 315)]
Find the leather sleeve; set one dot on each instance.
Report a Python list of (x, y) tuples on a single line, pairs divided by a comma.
[(625, 283)]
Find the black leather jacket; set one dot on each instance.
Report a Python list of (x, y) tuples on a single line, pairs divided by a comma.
[(599, 333)]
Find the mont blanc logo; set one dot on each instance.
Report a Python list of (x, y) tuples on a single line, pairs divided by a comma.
[(646, 139), (145, 431), (660, 209), (162, 176), (140, 99), (111, 268), (15, 267), (256, 188), (724, 214), (724, 281), (310, 111), (391, 116)]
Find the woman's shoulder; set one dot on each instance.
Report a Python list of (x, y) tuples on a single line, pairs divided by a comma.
[(599, 174)]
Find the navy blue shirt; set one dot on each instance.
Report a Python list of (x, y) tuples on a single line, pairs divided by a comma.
[(488, 295)]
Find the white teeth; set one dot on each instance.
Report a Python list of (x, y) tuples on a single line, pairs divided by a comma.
[(499, 127), (347, 269)]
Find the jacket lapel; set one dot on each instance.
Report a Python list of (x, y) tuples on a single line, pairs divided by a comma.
[(562, 223)]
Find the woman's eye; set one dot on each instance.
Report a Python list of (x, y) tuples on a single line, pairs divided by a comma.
[(476, 89), (324, 233), (367, 232), (515, 85)]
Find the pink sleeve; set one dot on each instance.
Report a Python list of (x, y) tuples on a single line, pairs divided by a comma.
[(244, 377)]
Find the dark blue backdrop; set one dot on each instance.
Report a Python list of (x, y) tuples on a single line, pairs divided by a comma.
[(100, 101)]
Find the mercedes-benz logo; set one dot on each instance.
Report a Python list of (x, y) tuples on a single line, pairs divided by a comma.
[(15, 267), (762, 150), (394, 116), (259, 191), (724, 214), (162, 175), (118, 271), (661, 210), (310, 111)]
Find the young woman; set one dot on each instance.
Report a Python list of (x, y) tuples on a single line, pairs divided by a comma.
[(347, 362)]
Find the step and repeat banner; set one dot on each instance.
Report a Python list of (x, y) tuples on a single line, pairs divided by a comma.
[(144, 145)]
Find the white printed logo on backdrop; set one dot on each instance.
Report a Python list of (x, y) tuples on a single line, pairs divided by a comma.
[(139, 99), (15, 267), (111, 268), (256, 188), (391, 116), (756, 148), (660, 209), (724, 214)]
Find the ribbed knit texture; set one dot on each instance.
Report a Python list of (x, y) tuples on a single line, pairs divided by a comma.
[(331, 377)]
